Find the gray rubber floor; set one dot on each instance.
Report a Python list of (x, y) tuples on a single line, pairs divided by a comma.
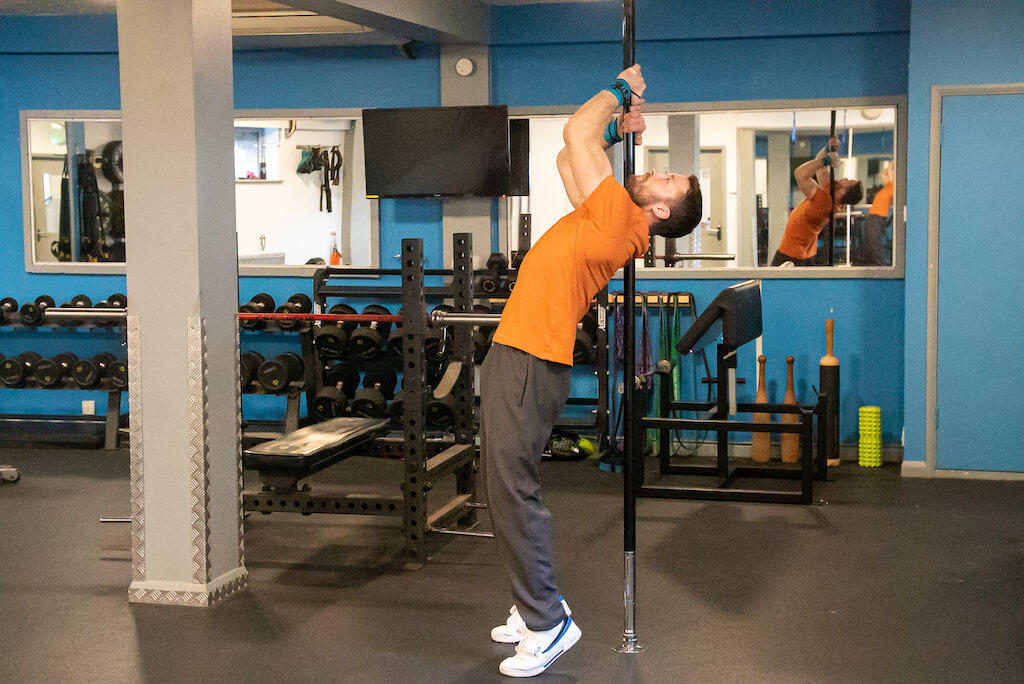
[(883, 580)]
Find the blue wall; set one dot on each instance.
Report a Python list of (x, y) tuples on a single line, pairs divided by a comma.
[(950, 44), (547, 54)]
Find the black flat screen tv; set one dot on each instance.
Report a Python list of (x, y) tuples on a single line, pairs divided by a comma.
[(437, 152)]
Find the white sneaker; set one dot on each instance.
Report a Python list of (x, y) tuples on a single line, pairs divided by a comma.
[(512, 631), (538, 650)]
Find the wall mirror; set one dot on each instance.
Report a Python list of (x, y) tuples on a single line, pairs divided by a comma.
[(745, 155), (300, 199)]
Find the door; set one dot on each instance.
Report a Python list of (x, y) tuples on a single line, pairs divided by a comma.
[(980, 340), (712, 184)]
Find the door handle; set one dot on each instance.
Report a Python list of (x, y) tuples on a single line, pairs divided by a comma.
[(717, 231)]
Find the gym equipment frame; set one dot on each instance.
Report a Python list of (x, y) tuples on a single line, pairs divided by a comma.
[(425, 460), (735, 317)]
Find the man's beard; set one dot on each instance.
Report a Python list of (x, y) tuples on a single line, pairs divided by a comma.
[(637, 192)]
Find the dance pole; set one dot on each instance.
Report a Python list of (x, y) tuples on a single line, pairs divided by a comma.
[(629, 638), (832, 194)]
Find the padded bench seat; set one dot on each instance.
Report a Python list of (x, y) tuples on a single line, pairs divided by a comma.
[(315, 447)]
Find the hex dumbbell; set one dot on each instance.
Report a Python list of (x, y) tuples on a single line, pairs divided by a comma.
[(32, 313), (260, 303), (248, 364), (298, 303), (368, 339), (50, 373), (89, 373), (8, 305), (275, 374), (14, 370)]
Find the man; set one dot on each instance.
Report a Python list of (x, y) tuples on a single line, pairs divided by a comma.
[(800, 241), (872, 251), (525, 378)]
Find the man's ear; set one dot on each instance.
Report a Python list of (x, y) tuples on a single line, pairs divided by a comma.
[(661, 211)]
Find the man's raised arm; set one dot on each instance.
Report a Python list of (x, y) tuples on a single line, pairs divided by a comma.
[(583, 163)]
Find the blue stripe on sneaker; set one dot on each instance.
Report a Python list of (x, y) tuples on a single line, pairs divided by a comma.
[(565, 627)]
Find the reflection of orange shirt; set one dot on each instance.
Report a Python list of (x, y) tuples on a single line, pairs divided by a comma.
[(883, 198), (570, 263), (800, 240)]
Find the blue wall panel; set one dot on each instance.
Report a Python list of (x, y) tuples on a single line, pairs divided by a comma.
[(950, 44)]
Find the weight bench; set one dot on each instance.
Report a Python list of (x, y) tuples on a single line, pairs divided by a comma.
[(732, 319), (284, 461)]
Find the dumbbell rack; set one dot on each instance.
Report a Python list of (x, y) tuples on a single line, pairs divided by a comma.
[(425, 460), (112, 420)]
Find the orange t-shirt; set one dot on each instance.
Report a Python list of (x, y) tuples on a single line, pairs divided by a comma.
[(800, 241), (570, 263), (883, 198)]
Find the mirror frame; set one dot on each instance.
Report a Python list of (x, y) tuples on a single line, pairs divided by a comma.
[(119, 268), (894, 271)]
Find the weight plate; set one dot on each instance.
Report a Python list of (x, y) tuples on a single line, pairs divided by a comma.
[(46, 300), (12, 372), (81, 301), (117, 374), (85, 373), (302, 302), (9, 304), (117, 301), (331, 341)]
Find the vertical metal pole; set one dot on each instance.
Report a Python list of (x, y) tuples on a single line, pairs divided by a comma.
[(832, 194), (629, 433)]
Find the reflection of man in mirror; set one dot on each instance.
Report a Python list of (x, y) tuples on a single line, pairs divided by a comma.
[(872, 252), (525, 377), (800, 242)]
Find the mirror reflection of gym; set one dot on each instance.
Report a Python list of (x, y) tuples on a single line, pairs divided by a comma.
[(290, 211), (745, 160)]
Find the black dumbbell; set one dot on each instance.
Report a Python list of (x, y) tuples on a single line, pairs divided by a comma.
[(117, 301), (383, 377), (343, 373), (77, 302), (481, 336), (331, 340), (497, 268), (117, 374), (435, 346), (441, 411), (88, 373), (14, 370), (369, 402), (8, 305), (330, 402), (275, 374), (50, 373), (248, 364), (586, 338), (298, 303), (260, 303), (368, 339), (105, 322), (31, 313)]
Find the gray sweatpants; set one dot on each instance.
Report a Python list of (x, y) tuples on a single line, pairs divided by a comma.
[(521, 396)]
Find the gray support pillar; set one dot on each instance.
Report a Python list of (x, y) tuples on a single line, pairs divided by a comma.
[(780, 180), (469, 214), (176, 99), (684, 158), (746, 197)]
